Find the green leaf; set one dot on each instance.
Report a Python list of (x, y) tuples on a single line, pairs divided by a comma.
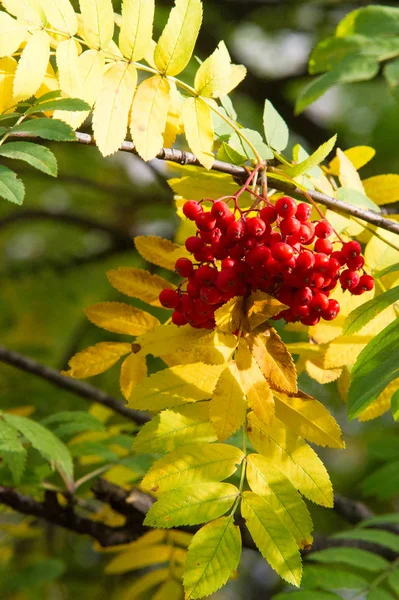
[(97, 449), (213, 556), (71, 104), (370, 21), (12, 451), (386, 271), (332, 579), (393, 581), (313, 160), (72, 422), (379, 594), (228, 107), (395, 405), (192, 505), (37, 156), (48, 96), (383, 483), (314, 90), (48, 129), (228, 154), (375, 367), (375, 536), (276, 130), (238, 144), (369, 310), (391, 74), (11, 188), (40, 572), (356, 198), (353, 557), (307, 595), (387, 518), (45, 442), (274, 541)]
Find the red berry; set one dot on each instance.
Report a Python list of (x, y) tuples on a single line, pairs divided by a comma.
[(192, 290), (286, 207), (205, 221), (303, 296), (305, 261), (220, 209), (321, 262), (227, 280), (285, 295), (331, 311), (366, 282), (185, 305), (282, 252), (317, 280), (324, 246), (228, 263), (257, 256), (303, 211), (333, 267), (349, 279), (169, 298), (351, 249), (337, 254), (184, 267), (236, 231), (301, 311), (289, 226), (179, 318), (312, 319), (319, 302), (205, 275), (219, 251), (194, 244), (255, 227), (268, 214), (237, 251), (323, 229), (355, 263), (191, 209), (304, 234), (210, 294), (211, 236), (204, 255), (225, 221)]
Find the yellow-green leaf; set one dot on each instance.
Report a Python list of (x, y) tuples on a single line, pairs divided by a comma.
[(261, 307), (120, 318), (192, 505), (167, 339), (111, 111), (174, 123), (159, 251), (172, 590), (286, 503), (132, 560), (198, 127), (69, 76), (227, 407), (177, 41), (313, 160), (60, 15), (382, 189), (146, 582), (253, 384), (382, 404), (28, 12), (8, 66), (136, 28), (212, 79), (319, 373), (274, 541), (12, 34), (215, 348), (212, 557), (194, 464), (229, 316), (96, 359), (98, 21), (348, 175), (291, 455), (138, 283), (358, 155), (344, 350), (32, 65), (171, 429), (274, 360), (176, 386), (133, 370)]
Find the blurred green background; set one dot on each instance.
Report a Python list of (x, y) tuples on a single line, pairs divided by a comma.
[(57, 247)]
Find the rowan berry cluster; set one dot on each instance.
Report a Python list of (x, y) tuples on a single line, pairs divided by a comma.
[(279, 251)]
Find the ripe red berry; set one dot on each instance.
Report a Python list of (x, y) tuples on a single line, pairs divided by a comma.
[(236, 231), (333, 267), (228, 263), (257, 256), (304, 234), (338, 255), (227, 280), (185, 305), (204, 255), (219, 251), (323, 229), (194, 244), (303, 211), (305, 261), (282, 252), (192, 290), (205, 221), (321, 262), (319, 302), (219, 209), (331, 311), (255, 227), (179, 318), (366, 282), (312, 319), (351, 249), (303, 296), (324, 246), (169, 298), (184, 267), (237, 251), (191, 209), (210, 294), (301, 311), (268, 214), (205, 275), (355, 263), (211, 236), (289, 226), (286, 207), (225, 221), (349, 279)]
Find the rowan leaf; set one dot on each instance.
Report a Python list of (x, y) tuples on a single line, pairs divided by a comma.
[(176, 386), (171, 429), (193, 464), (192, 505), (27, 12), (212, 557), (11, 188), (120, 318), (374, 536), (60, 15), (382, 404), (48, 129), (136, 28), (309, 419), (321, 374), (98, 22), (197, 120), (229, 316), (32, 65), (212, 79), (274, 360), (167, 339), (227, 408), (261, 307), (367, 311), (39, 157), (215, 348), (276, 130), (131, 560), (133, 370), (147, 582), (178, 38), (159, 251), (344, 350), (174, 124), (285, 502), (313, 160), (358, 155), (12, 34), (138, 283), (171, 589), (12, 451), (274, 541), (70, 80), (253, 384), (111, 111), (382, 189), (291, 455), (308, 595), (8, 66), (353, 557), (96, 359)]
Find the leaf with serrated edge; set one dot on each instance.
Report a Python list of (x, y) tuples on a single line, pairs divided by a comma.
[(12, 451), (171, 429), (133, 560), (194, 464), (212, 557), (274, 360), (96, 359), (197, 119), (159, 251), (354, 557), (8, 66), (136, 28), (320, 374), (274, 541), (382, 189), (253, 384), (61, 15), (48, 129), (313, 160), (138, 283), (98, 20), (261, 307), (133, 370), (11, 188), (229, 316), (166, 339), (12, 34), (212, 79), (176, 386), (192, 505), (381, 405), (37, 156), (227, 408), (120, 318), (266, 480), (358, 318), (276, 130), (32, 65), (215, 348), (358, 155), (289, 453)]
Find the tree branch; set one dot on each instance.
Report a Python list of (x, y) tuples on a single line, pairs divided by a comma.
[(79, 388), (187, 158)]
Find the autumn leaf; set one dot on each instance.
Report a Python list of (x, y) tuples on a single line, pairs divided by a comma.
[(96, 359), (274, 360)]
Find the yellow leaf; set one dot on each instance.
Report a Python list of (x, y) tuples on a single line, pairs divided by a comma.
[(382, 189), (378, 254), (98, 19), (291, 455), (144, 583), (196, 184), (227, 407), (69, 77), (120, 318), (348, 175), (12, 34), (198, 127), (166, 339), (111, 111), (344, 350), (61, 15), (174, 123), (49, 84), (308, 418), (32, 65), (96, 359), (212, 78), (253, 384), (172, 590), (382, 404), (138, 283), (8, 67), (176, 386), (358, 155), (229, 316), (237, 74), (261, 307), (274, 360), (132, 560), (214, 348), (27, 12), (133, 370), (159, 251), (148, 116), (177, 41), (320, 374), (136, 28), (285, 502)]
